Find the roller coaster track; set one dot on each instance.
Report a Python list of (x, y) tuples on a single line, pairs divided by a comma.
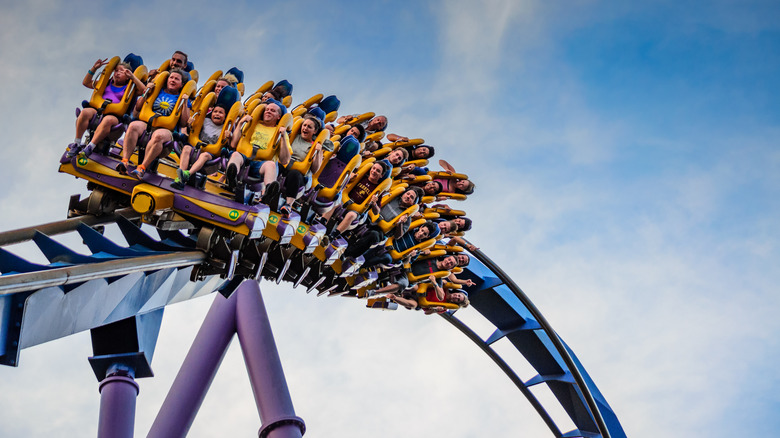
[(516, 318), (75, 292)]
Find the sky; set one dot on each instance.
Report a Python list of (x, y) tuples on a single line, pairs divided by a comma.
[(627, 172)]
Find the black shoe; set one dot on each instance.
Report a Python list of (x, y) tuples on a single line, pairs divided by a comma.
[(231, 173), (271, 196)]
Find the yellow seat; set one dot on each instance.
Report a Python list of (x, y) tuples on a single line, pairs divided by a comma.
[(363, 171), (331, 191), (170, 121), (101, 82), (199, 118), (306, 105), (265, 152), (395, 192), (423, 301), (305, 165), (425, 244)]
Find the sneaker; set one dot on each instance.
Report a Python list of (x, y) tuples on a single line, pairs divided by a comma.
[(122, 167), (183, 175), (73, 150), (284, 210), (138, 173), (177, 184), (87, 151)]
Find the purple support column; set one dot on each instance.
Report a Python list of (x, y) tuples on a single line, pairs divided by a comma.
[(198, 370), (264, 367), (117, 407)]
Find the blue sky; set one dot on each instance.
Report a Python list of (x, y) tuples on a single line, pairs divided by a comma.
[(627, 177)]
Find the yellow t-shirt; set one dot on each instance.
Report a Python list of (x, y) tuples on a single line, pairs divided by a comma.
[(262, 136), (261, 142)]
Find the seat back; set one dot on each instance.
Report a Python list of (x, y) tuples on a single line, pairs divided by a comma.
[(207, 88), (306, 105), (334, 174), (254, 99)]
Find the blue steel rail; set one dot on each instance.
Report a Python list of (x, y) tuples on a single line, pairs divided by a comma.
[(74, 292), (496, 297)]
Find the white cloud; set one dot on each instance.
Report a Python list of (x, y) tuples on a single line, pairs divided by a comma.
[(662, 291)]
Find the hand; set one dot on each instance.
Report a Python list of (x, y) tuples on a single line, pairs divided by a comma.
[(469, 282), (409, 167), (403, 218), (426, 251), (99, 63), (413, 253), (185, 96), (471, 247), (318, 147), (432, 278), (124, 74), (375, 198), (282, 130)]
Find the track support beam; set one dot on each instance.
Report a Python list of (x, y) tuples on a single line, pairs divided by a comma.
[(243, 313)]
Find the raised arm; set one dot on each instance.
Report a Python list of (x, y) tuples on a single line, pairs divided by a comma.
[(87, 82), (284, 148), (398, 230), (437, 288), (406, 302), (447, 166), (140, 87), (237, 130), (396, 137), (454, 279), (185, 111), (317, 160)]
